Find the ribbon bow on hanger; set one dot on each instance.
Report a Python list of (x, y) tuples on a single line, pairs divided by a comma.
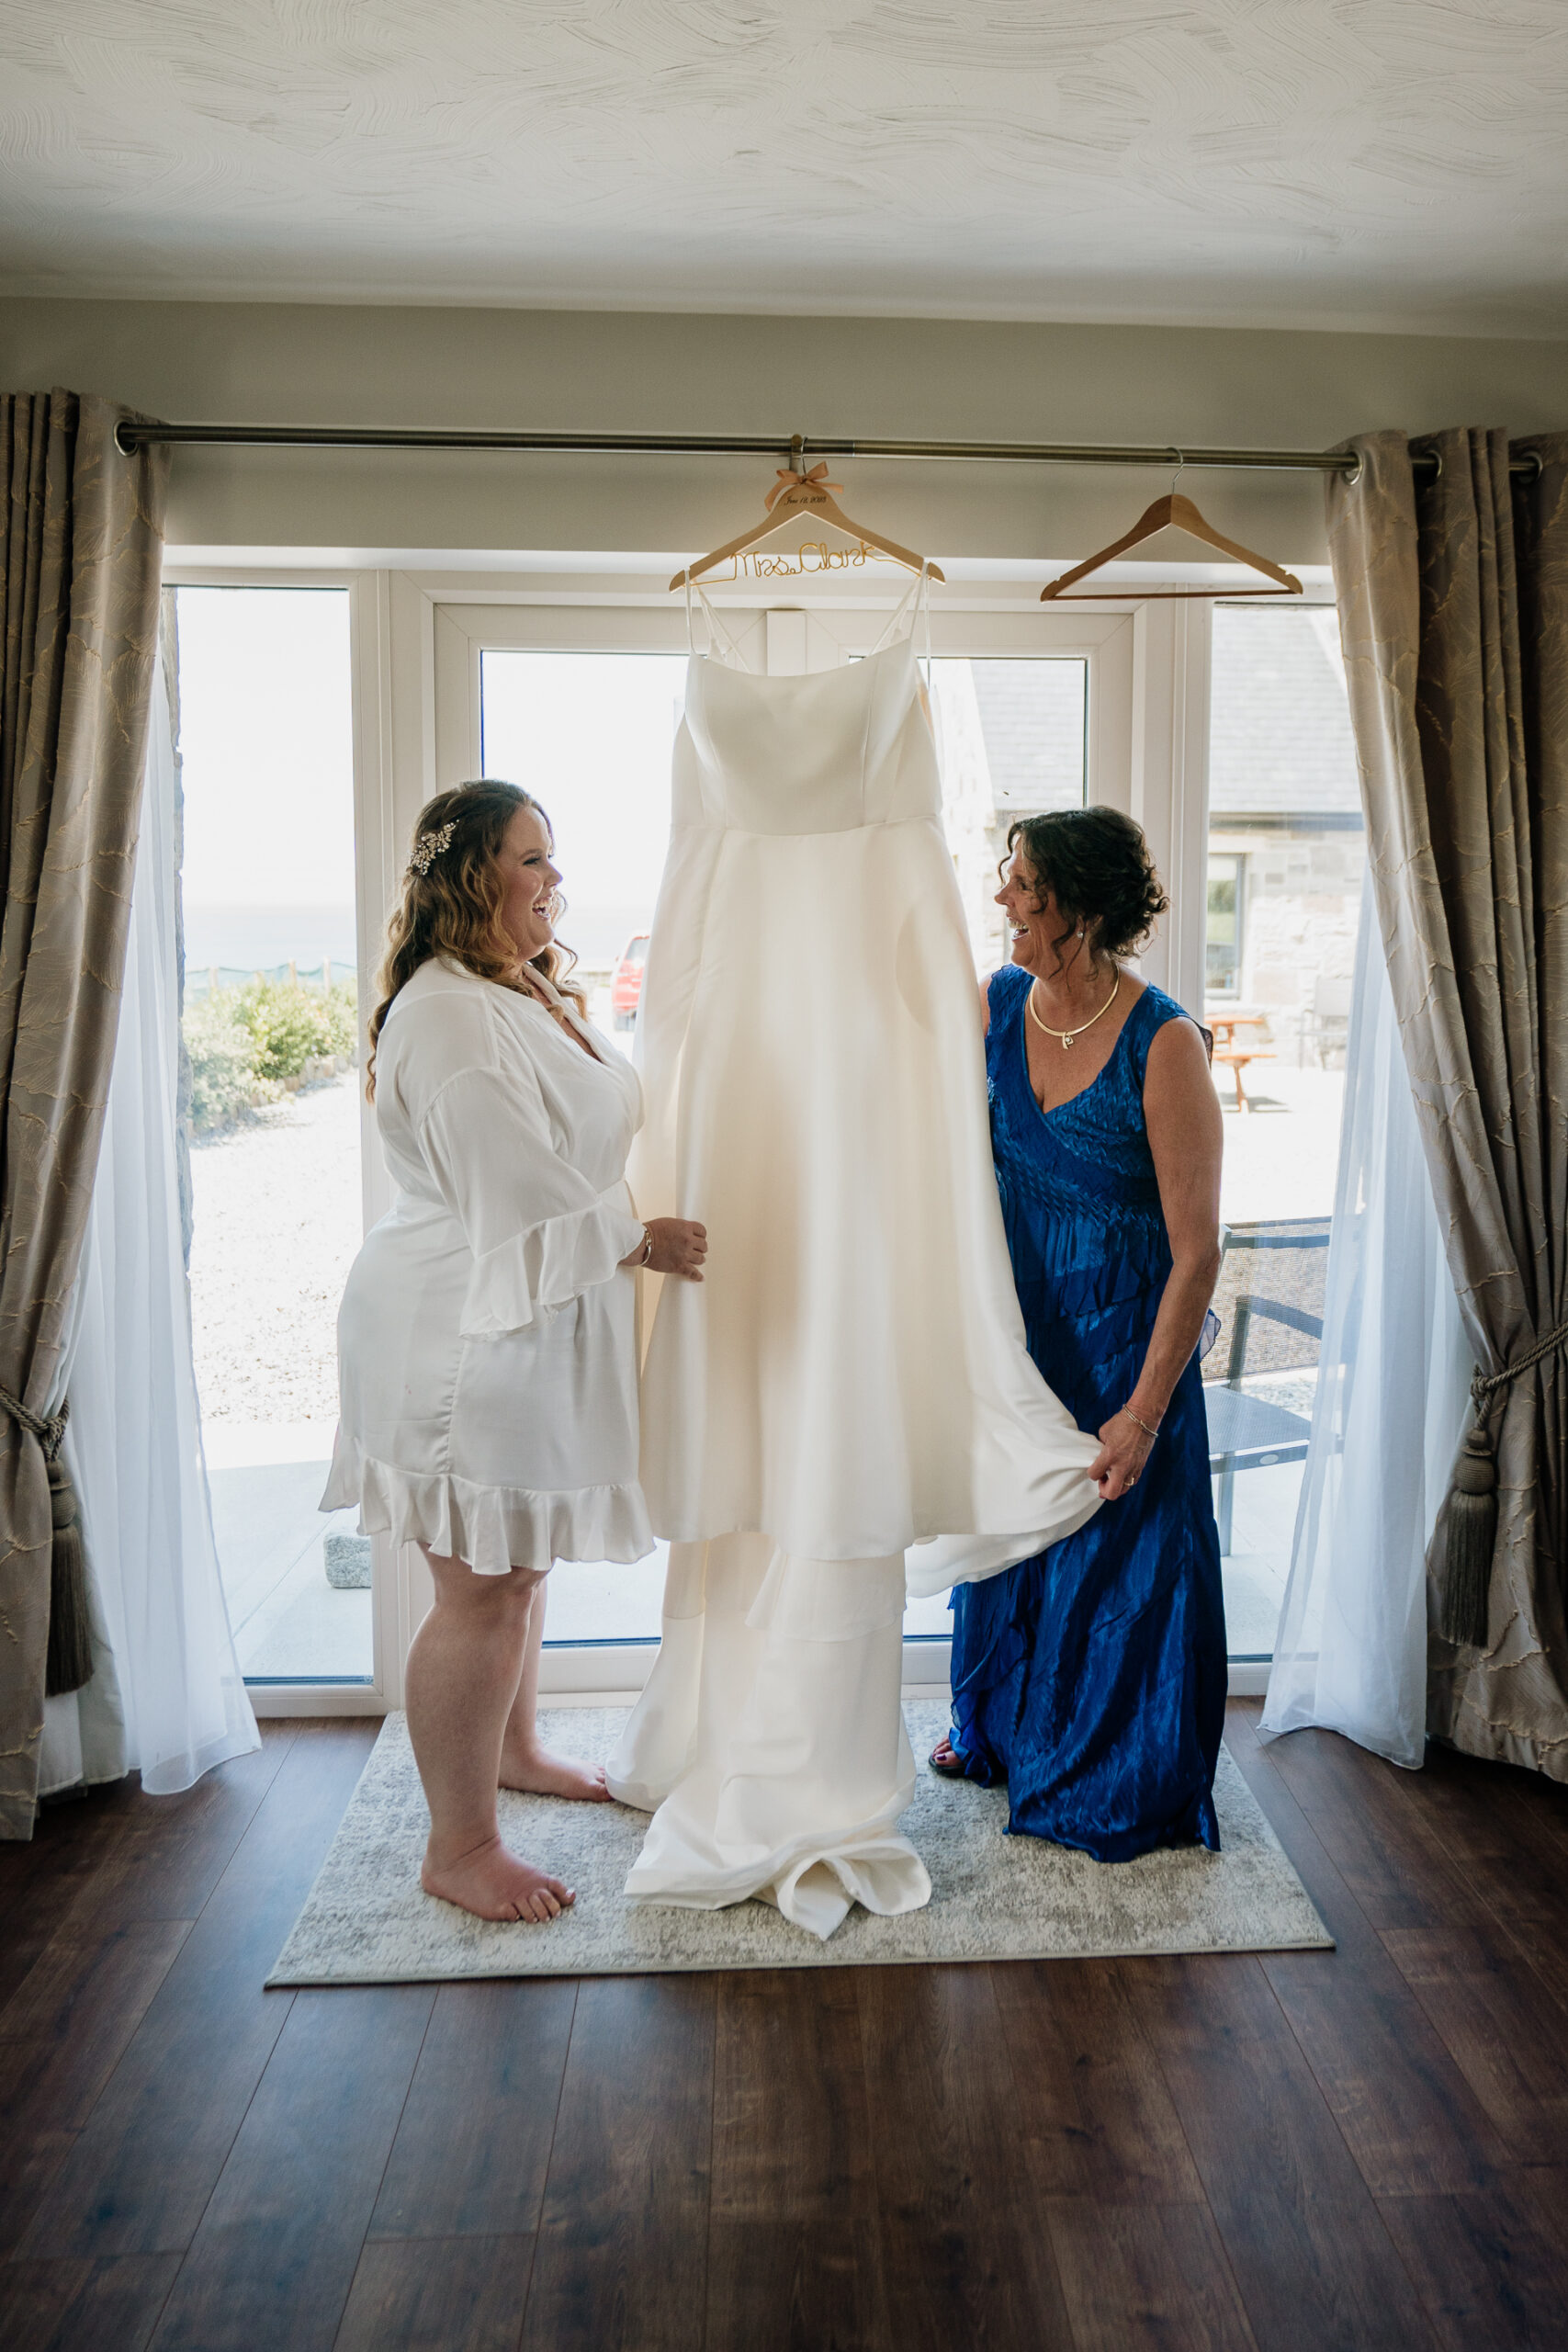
[(789, 480)]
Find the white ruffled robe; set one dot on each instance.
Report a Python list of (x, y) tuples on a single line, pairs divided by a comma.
[(487, 1340)]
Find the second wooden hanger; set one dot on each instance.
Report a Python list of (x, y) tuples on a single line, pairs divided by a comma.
[(1171, 511)]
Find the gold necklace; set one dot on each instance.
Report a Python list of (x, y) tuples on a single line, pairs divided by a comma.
[(1066, 1037)]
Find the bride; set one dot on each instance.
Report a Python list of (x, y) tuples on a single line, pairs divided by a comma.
[(486, 1340)]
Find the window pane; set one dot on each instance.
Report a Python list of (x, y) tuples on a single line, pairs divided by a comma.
[(1223, 936), (270, 1023), (1287, 855), (1011, 736)]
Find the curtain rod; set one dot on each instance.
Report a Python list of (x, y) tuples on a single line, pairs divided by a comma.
[(134, 434)]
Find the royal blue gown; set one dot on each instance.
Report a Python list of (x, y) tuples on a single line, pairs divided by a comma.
[(1092, 1678)]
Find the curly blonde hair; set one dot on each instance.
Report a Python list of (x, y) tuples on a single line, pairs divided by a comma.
[(452, 909)]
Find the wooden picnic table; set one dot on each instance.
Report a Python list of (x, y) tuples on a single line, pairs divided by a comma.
[(1236, 1057)]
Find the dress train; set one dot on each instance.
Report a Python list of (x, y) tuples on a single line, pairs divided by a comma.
[(792, 1669)]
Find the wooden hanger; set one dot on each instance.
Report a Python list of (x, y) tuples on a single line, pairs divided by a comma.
[(798, 492), (1172, 511)]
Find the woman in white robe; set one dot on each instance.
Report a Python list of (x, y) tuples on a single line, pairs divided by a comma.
[(486, 1340)]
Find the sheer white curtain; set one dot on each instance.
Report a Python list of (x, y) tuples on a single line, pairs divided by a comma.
[(1392, 1392), (167, 1697)]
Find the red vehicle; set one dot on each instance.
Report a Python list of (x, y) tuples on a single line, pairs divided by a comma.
[(626, 981)]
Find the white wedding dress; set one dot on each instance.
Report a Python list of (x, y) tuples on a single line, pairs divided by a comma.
[(847, 1399)]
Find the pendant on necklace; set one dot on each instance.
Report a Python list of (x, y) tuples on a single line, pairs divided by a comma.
[(1068, 1041)]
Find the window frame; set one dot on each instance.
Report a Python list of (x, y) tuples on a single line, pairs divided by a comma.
[(416, 640)]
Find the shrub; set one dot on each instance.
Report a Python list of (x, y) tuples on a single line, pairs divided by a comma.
[(343, 1016), (222, 1081), (288, 1027)]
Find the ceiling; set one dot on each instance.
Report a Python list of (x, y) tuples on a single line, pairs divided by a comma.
[(1400, 165)]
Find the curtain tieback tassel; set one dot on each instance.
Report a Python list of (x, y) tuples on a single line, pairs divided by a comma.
[(70, 1660), (1469, 1521)]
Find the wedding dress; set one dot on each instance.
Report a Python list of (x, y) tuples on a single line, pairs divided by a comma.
[(847, 1401)]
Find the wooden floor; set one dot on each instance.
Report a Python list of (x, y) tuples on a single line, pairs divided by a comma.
[(1359, 2149)]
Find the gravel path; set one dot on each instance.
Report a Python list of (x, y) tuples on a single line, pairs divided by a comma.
[(278, 1222)]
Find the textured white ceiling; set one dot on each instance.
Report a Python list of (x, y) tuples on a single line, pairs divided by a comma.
[(1342, 163)]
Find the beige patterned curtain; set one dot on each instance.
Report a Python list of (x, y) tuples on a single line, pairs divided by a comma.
[(78, 582), (1453, 611)]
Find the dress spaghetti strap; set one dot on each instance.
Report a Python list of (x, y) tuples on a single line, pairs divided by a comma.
[(721, 646), (917, 602)]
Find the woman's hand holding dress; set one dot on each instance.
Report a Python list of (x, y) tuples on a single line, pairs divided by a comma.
[(672, 1245), (1123, 1450)]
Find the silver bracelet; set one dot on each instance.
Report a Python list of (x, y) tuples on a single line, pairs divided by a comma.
[(647, 1245), (1142, 1424)]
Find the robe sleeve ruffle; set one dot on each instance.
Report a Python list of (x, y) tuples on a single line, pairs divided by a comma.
[(539, 1232), (548, 1265)]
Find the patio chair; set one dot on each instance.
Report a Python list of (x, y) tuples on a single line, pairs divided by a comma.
[(1325, 1024), (1269, 1300)]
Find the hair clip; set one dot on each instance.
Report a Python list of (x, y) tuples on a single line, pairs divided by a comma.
[(429, 846)]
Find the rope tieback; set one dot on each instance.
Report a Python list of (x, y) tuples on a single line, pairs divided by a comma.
[(50, 1434), (70, 1660), (1487, 1384), (1469, 1538)]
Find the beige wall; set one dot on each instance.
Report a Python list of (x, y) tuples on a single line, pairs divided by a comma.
[(627, 372)]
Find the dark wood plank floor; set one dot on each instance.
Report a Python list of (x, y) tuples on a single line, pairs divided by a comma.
[(1335, 2152)]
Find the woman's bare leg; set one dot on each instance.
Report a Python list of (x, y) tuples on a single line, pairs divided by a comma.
[(524, 1764), (463, 1669)]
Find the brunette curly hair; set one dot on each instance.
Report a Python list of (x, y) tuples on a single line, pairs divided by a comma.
[(453, 908), (1095, 863)]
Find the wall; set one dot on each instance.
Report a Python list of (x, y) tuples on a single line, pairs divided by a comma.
[(897, 379)]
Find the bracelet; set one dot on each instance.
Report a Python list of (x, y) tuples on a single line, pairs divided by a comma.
[(647, 1245), (1142, 1424)]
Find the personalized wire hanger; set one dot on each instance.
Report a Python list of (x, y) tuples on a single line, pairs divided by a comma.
[(800, 492), (1171, 511)]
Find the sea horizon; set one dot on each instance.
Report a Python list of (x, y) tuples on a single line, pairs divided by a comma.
[(260, 938)]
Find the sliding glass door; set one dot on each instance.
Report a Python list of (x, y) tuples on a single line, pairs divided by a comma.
[(318, 717)]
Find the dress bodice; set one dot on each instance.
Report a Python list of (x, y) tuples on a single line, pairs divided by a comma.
[(822, 753)]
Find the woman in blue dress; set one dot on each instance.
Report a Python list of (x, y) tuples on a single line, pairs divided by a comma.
[(1092, 1678)]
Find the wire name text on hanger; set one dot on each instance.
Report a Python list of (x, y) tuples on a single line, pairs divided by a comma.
[(811, 556), (799, 491)]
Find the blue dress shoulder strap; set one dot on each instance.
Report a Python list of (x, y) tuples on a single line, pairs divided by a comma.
[(1148, 1016), (1006, 990)]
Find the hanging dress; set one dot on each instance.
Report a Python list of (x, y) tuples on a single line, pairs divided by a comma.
[(850, 1385)]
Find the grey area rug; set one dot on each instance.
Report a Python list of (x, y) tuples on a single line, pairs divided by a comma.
[(366, 1921)]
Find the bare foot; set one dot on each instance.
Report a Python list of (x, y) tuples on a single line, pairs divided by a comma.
[(943, 1757), (540, 1774), (492, 1884)]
